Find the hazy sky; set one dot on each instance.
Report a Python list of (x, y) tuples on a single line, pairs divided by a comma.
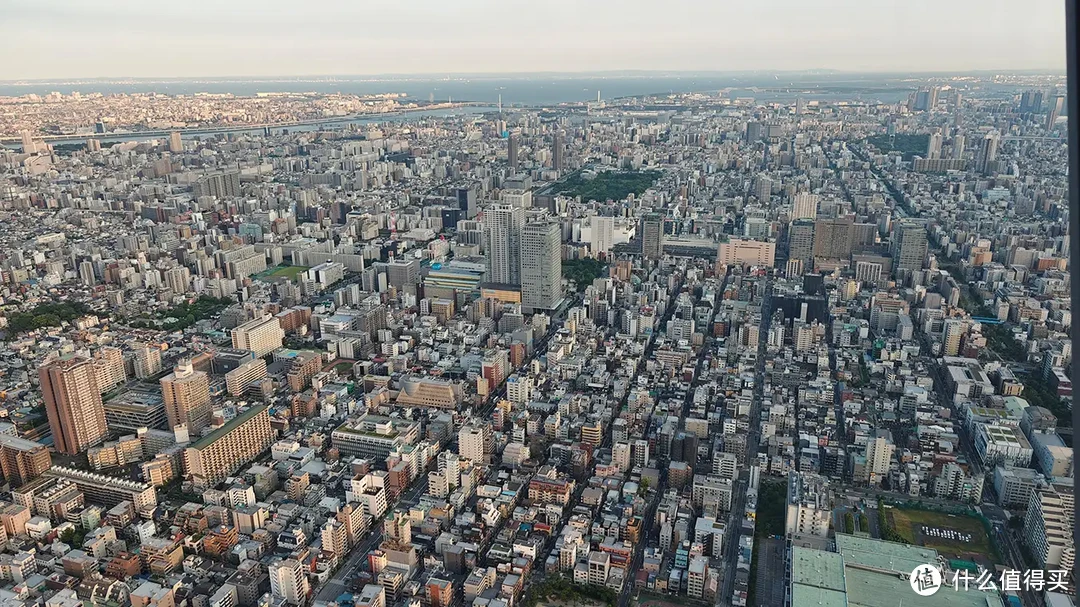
[(191, 38)]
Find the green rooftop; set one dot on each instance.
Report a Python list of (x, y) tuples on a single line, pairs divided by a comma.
[(209, 439), (817, 568)]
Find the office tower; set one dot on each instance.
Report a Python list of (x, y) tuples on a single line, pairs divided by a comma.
[(958, 146), (909, 246), (801, 242), (212, 458), (832, 237), (988, 151), (73, 404), (652, 236), (558, 148), (805, 206), (516, 197), (503, 224), (147, 361), (403, 273), (289, 582), (1054, 111), (1031, 102), (541, 265), (933, 147), (262, 335), (753, 131), (512, 151), (22, 460), (93, 145), (1048, 526), (176, 145), (467, 202), (109, 368), (186, 393), (799, 106), (603, 234)]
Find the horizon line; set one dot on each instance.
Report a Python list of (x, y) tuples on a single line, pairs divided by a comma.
[(493, 74)]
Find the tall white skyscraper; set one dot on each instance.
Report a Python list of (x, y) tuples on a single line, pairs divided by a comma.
[(933, 147), (603, 234), (503, 224), (541, 265)]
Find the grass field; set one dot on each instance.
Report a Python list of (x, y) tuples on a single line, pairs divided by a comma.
[(908, 524), (290, 272)]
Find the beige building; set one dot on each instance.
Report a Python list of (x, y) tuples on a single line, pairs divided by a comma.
[(222, 452), (1048, 526), (147, 361), (187, 397), (262, 335), (430, 392), (109, 365), (738, 251), (73, 404), (238, 380), (22, 460)]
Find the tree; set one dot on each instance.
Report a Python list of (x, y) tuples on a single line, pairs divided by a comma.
[(643, 486)]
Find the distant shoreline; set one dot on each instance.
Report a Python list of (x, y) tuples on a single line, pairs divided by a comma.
[(247, 127)]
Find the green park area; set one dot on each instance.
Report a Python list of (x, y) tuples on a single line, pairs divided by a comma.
[(607, 185), (908, 145), (558, 591), (46, 315), (184, 315), (289, 272), (955, 536), (582, 271)]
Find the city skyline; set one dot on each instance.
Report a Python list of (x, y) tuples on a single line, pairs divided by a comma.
[(78, 41)]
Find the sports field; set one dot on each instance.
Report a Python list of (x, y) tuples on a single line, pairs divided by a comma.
[(290, 272), (955, 536)]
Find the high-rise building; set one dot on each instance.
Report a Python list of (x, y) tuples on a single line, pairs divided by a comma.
[(475, 442), (958, 147), (558, 150), (262, 335), (801, 242), (833, 237), (1054, 111), (753, 131), (147, 361), (73, 404), (109, 368), (503, 224), (953, 331), (186, 393), (176, 144), (219, 185), (603, 234), (933, 147), (652, 236), (22, 460), (466, 198), (541, 265), (215, 456), (289, 582), (879, 455), (805, 206), (909, 246), (988, 150), (512, 151), (1048, 526), (1031, 102)]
